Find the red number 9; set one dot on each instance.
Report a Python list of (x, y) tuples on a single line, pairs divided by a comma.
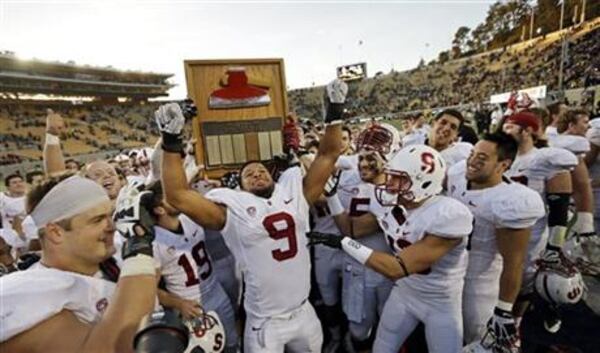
[(288, 232)]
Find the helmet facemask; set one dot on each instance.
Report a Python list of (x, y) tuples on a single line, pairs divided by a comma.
[(396, 190)]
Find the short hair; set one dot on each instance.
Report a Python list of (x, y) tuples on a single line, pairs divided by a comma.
[(29, 176), (554, 108), (35, 196), (570, 117), (10, 177), (452, 112), (506, 145), (253, 161), (348, 130)]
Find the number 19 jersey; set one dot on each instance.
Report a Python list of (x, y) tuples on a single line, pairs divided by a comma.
[(268, 239)]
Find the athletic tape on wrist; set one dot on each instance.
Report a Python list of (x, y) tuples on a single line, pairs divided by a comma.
[(506, 306), (335, 206), (52, 139), (137, 266), (356, 250), (585, 222)]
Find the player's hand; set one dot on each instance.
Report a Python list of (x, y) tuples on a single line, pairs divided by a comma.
[(17, 225), (331, 240), (170, 120), (332, 184), (189, 309), (503, 329), (55, 124), (335, 97), (551, 257), (133, 220)]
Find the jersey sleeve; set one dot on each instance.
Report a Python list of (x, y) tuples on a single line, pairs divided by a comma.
[(576, 144), (552, 160), (347, 162), (517, 208), (452, 219), (416, 138), (454, 175), (593, 134), (222, 196), (32, 296)]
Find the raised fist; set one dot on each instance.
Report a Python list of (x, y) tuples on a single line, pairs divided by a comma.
[(55, 124)]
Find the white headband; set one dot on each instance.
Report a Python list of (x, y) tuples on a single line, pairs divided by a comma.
[(68, 198)]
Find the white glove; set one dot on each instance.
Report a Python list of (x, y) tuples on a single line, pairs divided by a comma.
[(504, 330), (169, 119), (336, 91)]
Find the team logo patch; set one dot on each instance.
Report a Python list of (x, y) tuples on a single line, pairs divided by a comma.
[(171, 250), (355, 191), (101, 305), (251, 211)]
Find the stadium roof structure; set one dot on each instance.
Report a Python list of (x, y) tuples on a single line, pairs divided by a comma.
[(19, 76)]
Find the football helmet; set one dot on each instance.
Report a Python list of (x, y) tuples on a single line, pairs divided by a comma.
[(559, 284), (380, 137), (206, 334), (412, 175)]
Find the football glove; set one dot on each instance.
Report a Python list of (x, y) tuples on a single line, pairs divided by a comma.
[(331, 240), (503, 329), (335, 97), (133, 220)]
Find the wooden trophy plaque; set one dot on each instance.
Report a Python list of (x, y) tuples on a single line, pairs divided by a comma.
[(241, 106)]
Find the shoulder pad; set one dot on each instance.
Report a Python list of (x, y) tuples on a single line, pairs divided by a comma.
[(415, 138), (575, 144), (593, 134), (452, 219), (517, 207), (551, 160)]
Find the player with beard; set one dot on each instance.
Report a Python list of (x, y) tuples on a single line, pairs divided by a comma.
[(365, 291), (187, 268), (504, 213), (545, 170), (427, 233), (264, 224), (443, 137)]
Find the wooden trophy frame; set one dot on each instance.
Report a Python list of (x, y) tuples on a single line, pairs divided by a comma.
[(238, 119)]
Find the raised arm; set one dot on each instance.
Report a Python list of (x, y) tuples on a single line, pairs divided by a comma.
[(54, 161), (330, 147), (170, 119)]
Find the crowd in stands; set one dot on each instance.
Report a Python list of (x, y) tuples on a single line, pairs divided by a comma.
[(472, 79)]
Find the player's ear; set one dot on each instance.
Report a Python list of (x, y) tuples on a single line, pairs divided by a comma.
[(53, 233)]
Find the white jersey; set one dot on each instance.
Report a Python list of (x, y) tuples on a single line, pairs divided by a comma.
[(184, 262), (506, 205), (33, 296), (10, 207), (577, 145), (268, 240), (439, 216), (593, 136), (456, 152), (537, 166), (356, 196)]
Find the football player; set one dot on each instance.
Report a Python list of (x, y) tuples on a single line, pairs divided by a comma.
[(264, 225), (443, 137), (62, 307), (428, 235), (187, 268), (504, 212)]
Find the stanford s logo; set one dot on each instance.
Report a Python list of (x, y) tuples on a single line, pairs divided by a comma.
[(573, 294), (101, 305)]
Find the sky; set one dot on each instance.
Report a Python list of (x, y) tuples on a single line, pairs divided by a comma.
[(313, 37)]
